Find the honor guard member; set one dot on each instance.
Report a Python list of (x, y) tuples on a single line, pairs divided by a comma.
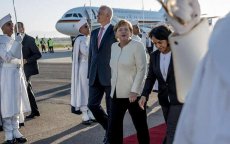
[(79, 80), (136, 31), (137, 34), (206, 112), (13, 94)]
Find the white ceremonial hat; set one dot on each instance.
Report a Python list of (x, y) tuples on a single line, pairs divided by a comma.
[(80, 23), (135, 22), (5, 19)]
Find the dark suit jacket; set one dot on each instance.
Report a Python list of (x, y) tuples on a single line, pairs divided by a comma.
[(165, 88), (31, 53), (99, 58)]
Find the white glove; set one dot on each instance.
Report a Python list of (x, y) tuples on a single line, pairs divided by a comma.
[(16, 61), (188, 11), (16, 50), (18, 38)]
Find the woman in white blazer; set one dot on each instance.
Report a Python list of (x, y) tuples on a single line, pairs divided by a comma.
[(128, 66)]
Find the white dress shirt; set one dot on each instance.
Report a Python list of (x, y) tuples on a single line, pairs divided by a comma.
[(164, 63)]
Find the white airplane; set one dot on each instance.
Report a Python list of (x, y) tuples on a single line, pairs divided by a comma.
[(146, 18)]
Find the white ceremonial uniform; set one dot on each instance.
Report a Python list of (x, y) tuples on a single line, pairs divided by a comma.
[(79, 80), (13, 93), (79, 87), (136, 38), (206, 113), (188, 49)]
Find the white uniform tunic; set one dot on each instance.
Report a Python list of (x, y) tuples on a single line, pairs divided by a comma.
[(206, 112), (13, 93), (136, 38), (79, 81)]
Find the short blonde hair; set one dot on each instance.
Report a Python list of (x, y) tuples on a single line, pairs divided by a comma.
[(122, 23)]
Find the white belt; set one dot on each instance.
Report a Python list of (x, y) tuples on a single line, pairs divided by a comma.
[(10, 65)]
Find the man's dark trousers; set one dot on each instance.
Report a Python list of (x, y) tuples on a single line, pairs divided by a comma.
[(96, 92), (33, 104)]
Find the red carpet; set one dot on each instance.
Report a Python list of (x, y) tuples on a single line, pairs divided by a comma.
[(156, 135)]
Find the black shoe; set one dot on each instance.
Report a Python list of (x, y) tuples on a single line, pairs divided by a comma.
[(9, 142), (88, 122), (21, 140), (32, 115), (78, 112)]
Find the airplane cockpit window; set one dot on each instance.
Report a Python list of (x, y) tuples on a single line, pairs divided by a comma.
[(68, 15), (79, 15), (75, 15)]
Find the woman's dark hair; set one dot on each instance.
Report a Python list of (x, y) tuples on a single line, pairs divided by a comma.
[(160, 32)]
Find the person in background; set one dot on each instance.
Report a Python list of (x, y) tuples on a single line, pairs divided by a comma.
[(161, 69), (138, 34), (50, 44), (13, 94), (79, 80), (37, 41), (149, 46), (99, 71), (43, 45), (31, 54), (128, 66), (136, 31)]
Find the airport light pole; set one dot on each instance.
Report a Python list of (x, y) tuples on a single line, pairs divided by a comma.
[(143, 16), (91, 15)]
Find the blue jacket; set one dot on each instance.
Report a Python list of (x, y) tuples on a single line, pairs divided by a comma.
[(99, 58)]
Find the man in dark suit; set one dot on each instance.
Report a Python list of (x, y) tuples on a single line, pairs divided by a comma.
[(99, 72), (161, 69), (31, 54)]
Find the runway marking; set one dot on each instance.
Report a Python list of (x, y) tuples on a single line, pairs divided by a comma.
[(155, 109), (66, 137)]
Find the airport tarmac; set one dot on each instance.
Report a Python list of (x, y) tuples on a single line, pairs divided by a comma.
[(57, 125)]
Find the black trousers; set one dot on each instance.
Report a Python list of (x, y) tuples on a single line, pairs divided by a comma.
[(43, 48), (171, 115), (119, 107), (33, 104), (96, 93), (51, 49)]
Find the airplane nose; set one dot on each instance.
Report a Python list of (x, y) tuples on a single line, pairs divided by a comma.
[(66, 28)]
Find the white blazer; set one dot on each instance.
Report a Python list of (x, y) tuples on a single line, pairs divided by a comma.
[(128, 68)]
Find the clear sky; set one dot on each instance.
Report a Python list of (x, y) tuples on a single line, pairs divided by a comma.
[(40, 16)]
